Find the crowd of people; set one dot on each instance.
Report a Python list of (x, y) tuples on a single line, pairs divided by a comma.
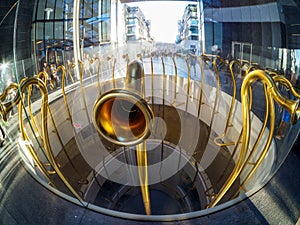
[(52, 76)]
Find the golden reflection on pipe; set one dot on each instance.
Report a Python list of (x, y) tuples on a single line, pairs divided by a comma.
[(68, 70), (45, 76), (201, 59), (251, 67), (164, 78), (127, 58), (189, 82), (271, 94), (122, 117), (12, 86), (48, 147), (238, 141), (142, 163), (141, 149), (176, 80), (284, 81), (42, 75), (152, 78), (176, 77), (32, 120), (93, 60), (44, 107), (5, 109), (44, 125), (113, 70), (40, 165), (228, 122), (63, 77), (257, 141)]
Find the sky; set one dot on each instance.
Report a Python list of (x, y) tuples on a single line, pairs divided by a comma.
[(164, 16)]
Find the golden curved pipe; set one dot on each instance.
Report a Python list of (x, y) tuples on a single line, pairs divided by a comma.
[(208, 57), (272, 93), (46, 77), (63, 147), (189, 82), (127, 58), (263, 153), (218, 58), (200, 60), (12, 86), (5, 108), (205, 58), (238, 141), (251, 68), (284, 81), (25, 137), (40, 165), (176, 77), (113, 70), (63, 77), (231, 106), (31, 116), (135, 71), (98, 71), (68, 71), (44, 125), (273, 73), (123, 118), (152, 77), (142, 162), (164, 78)]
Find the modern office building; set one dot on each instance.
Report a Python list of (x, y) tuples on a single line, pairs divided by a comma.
[(104, 122), (137, 26), (188, 28)]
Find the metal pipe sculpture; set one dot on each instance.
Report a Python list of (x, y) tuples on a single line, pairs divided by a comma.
[(227, 125), (124, 118), (272, 93), (93, 60), (5, 109)]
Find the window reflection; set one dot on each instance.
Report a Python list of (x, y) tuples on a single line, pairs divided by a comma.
[(239, 29)]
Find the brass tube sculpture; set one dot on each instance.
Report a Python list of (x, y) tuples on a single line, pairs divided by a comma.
[(272, 94), (5, 109), (122, 117), (93, 60), (228, 122)]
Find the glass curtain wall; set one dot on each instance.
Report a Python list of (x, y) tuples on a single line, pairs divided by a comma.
[(52, 29)]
